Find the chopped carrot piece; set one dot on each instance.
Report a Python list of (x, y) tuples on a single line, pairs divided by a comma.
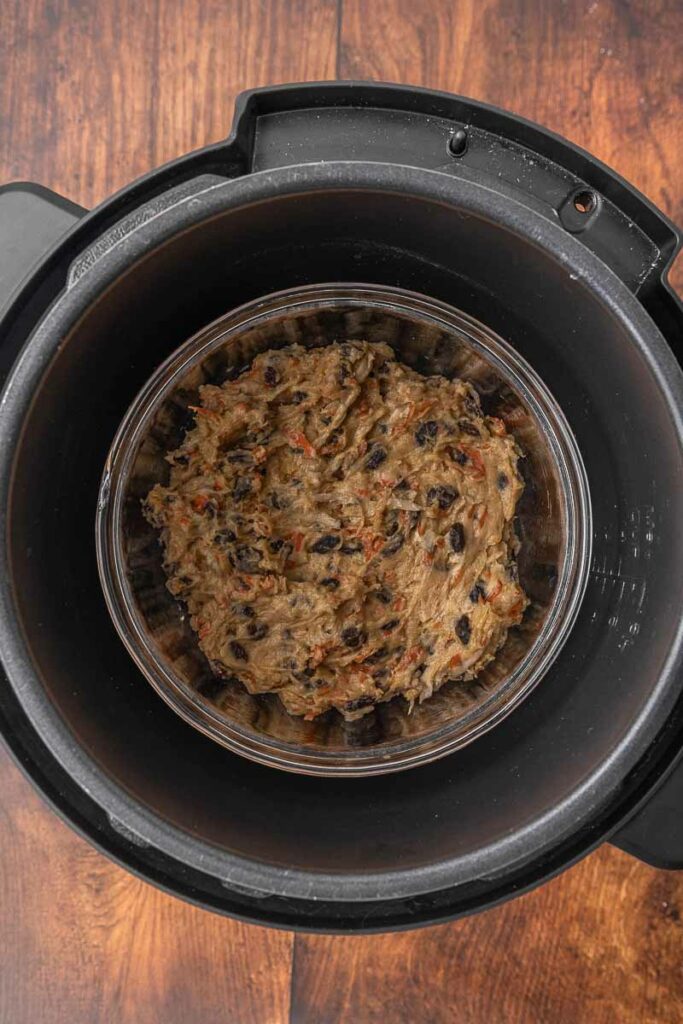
[(475, 458), (201, 411), (299, 440), (410, 656)]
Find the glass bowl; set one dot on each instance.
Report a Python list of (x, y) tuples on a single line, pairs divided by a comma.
[(553, 523)]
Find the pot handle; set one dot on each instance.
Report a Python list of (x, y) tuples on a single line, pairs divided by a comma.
[(32, 220), (654, 833), (462, 138)]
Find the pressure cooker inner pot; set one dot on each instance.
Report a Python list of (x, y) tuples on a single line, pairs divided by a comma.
[(511, 780)]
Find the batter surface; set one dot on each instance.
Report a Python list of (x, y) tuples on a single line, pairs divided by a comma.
[(340, 529)]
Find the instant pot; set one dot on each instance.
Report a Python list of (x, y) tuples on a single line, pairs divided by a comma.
[(383, 187)]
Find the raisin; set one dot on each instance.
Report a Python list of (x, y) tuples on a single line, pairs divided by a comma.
[(275, 544), (394, 545), (298, 397), (456, 538), (359, 702), (257, 630), (384, 595), (502, 481), (353, 637), (238, 651), (387, 627), (458, 456), (376, 656), (426, 433), (181, 460), (304, 676), (328, 542), (376, 457), (467, 427), (335, 437), (443, 495), (478, 592), (270, 376), (314, 684), (330, 582), (402, 485), (243, 609), (471, 404), (463, 630), (224, 537), (245, 558), (277, 501), (240, 456), (351, 547), (242, 488)]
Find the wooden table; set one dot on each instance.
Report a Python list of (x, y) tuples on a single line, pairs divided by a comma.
[(93, 94)]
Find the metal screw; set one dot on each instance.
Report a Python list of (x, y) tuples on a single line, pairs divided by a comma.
[(585, 201), (457, 143)]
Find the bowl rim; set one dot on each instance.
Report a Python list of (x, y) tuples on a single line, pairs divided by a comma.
[(390, 756)]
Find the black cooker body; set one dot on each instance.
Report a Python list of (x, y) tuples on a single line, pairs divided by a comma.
[(348, 182)]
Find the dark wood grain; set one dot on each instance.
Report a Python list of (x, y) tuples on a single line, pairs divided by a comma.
[(93, 94), (603, 944), (83, 942), (607, 74)]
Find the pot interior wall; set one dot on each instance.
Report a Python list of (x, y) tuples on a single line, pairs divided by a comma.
[(605, 675)]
